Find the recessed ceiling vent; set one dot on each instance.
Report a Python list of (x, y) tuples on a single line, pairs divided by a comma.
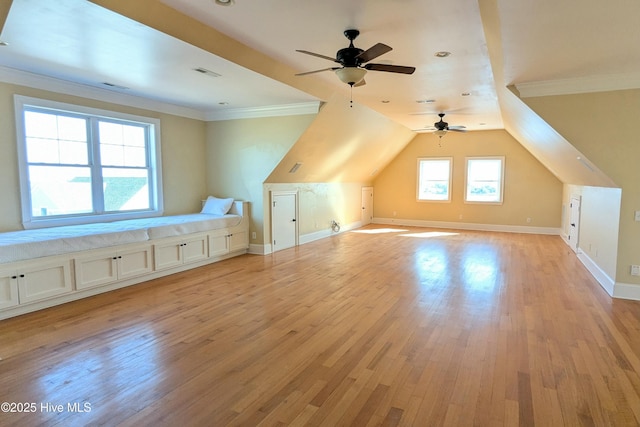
[(295, 168), (115, 86), (207, 72)]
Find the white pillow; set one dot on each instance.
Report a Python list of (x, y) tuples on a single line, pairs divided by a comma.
[(215, 206)]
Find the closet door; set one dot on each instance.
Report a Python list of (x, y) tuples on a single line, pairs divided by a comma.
[(284, 217)]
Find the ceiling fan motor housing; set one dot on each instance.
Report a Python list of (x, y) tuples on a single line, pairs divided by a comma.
[(441, 125), (348, 56)]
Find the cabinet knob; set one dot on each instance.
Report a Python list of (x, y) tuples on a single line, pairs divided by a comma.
[(14, 277), (22, 275)]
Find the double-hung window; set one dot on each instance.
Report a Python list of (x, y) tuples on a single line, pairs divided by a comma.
[(81, 165), (434, 179), (485, 180)]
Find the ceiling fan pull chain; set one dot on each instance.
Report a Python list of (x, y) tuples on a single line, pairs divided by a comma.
[(351, 96)]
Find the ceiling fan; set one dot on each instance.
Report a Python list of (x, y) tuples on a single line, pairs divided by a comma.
[(351, 59), (443, 127)]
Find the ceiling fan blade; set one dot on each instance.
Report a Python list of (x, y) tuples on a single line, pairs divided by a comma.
[(317, 54), (457, 129), (373, 52), (317, 71), (390, 68)]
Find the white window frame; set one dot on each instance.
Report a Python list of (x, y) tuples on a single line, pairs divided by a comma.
[(155, 163), (501, 186), (419, 179)]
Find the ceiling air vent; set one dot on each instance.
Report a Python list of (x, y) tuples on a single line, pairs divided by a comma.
[(115, 86), (295, 168), (207, 72)]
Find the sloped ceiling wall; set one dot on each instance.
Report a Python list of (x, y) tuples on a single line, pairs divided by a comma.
[(556, 153), (345, 143)]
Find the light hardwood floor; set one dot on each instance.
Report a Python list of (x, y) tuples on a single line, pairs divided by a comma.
[(417, 327)]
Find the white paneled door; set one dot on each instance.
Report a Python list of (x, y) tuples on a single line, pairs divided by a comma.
[(284, 217), (574, 223), (367, 205)]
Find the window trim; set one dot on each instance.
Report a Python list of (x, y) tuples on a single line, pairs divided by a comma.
[(502, 173), (450, 182), (155, 161)]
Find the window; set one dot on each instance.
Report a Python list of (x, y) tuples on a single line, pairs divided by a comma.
[(434, 179), (80, 165), (484, 179)]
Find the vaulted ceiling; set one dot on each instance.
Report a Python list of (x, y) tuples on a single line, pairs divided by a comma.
[(499, 50)]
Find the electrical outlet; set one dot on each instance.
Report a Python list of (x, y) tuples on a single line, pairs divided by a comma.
[(635, 270), (528, 220), (637, 216), (253, 235)]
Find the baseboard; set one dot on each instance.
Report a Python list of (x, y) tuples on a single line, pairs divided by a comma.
[(266, 249), (322, 234), (469, 226), (613, 288), (607, 283), (255, 249), (627, 291)]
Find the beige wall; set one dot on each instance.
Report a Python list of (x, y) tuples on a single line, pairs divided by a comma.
[(530, 191), (241, 154), (183, 154), (598, 224), (603, 126)]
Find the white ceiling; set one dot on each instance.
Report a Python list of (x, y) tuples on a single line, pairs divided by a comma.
[(544, 43)]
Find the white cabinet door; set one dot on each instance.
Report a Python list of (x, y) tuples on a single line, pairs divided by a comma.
[(44, 279), (195, 249), (167, 254), (95, 270), (223, 242), (8, 289), (134, 262), (238, 240), (218, 243), (107, 266), (179, 251)]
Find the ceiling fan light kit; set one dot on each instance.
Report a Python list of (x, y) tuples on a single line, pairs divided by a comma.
[(440, 133), (351, 75)]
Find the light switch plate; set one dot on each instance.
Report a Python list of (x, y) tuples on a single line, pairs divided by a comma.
[(637, 217)]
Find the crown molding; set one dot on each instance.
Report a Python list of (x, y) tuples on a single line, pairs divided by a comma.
[(39, 81), (268, 111), (588, 84)]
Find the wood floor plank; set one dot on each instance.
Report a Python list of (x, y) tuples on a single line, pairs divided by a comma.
[(379, 326)]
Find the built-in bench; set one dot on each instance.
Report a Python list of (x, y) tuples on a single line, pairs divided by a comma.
[(45, 267)]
